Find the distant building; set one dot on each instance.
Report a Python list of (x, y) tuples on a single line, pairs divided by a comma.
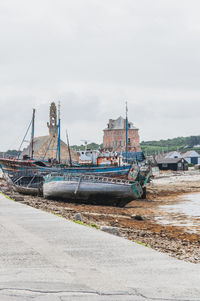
[(115, 136), (169, 155), (172, 164), (192, 157), (173, 154), (45, 147)]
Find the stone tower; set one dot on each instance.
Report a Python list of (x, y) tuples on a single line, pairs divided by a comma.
[(45, 147), (52, 124)]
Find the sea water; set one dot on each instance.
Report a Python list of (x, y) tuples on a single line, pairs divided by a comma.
[(185, 213)]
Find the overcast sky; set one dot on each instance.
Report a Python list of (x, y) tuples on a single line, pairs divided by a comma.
[(93, 55)]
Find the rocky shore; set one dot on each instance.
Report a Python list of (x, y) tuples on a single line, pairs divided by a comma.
[(138, 221)]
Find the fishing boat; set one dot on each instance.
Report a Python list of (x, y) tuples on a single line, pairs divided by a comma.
[(11, 165), (91, 188), (31, 183)]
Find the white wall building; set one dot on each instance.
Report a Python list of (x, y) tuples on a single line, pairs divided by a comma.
[(192, 157), (173, 155)]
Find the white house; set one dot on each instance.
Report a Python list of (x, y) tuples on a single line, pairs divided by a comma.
[(192, 157), (173, 155)]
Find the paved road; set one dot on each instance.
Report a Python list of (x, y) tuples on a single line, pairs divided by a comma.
[(44, 257)]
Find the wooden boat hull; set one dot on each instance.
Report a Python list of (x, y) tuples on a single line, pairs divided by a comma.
[(27, 183), (86, 190), (12, 165), (28, 190)]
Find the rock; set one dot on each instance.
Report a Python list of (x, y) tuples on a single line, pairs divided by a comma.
[(111, 230), (24, 202), (18, 198), (137, 217), (78, 217)]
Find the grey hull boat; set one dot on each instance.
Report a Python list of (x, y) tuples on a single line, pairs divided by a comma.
[(89, 188)]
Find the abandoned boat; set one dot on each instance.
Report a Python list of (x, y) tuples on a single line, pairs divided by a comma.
[(27, 183), (91, 188)]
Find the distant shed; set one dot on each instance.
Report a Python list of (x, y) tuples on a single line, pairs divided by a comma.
[(192, 157), (172, 164)]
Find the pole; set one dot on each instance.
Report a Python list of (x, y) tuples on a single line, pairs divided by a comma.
[(70, 157), (32, 134), (59, 132), (126, 131)]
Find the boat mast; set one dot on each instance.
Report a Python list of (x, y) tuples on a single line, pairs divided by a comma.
[(25, 137), (126, 131), (32, 134), (70, 157), (59, 132)]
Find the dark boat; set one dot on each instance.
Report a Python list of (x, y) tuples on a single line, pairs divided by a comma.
[(27, 182)]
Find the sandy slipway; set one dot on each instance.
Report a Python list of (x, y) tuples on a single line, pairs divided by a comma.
[(45, 257)]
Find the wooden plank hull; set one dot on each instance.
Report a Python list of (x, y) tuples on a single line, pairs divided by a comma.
[(12, 165), (27, 183), (28, 190)]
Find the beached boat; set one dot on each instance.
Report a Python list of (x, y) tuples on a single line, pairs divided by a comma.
[(30, 182), (27, 183), (91, 188)]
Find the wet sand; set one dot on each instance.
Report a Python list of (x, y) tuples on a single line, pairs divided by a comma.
[(139, 220)]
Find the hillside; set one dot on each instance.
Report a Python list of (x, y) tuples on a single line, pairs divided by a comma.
[(182, 144)]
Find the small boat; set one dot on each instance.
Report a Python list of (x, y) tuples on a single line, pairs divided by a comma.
[(27, 183), (91, 188)]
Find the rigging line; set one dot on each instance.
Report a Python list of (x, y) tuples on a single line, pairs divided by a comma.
[(24, 138), (50, 141), (70, 158)]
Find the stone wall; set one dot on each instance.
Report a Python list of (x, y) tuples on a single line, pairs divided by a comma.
[(51, 153)]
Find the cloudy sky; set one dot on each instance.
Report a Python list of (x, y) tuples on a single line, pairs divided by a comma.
[(93, 55)]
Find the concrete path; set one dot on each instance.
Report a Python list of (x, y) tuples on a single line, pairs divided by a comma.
[(44, 257)]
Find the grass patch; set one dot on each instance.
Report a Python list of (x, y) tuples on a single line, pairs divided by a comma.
[(94, 226), (79, 222), (83, 224), (6, 196), (58, 214), (141, 243)]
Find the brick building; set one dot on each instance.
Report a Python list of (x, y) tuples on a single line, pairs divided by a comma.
[(115, 136)]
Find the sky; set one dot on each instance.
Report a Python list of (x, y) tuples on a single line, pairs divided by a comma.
[(93, 56)]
